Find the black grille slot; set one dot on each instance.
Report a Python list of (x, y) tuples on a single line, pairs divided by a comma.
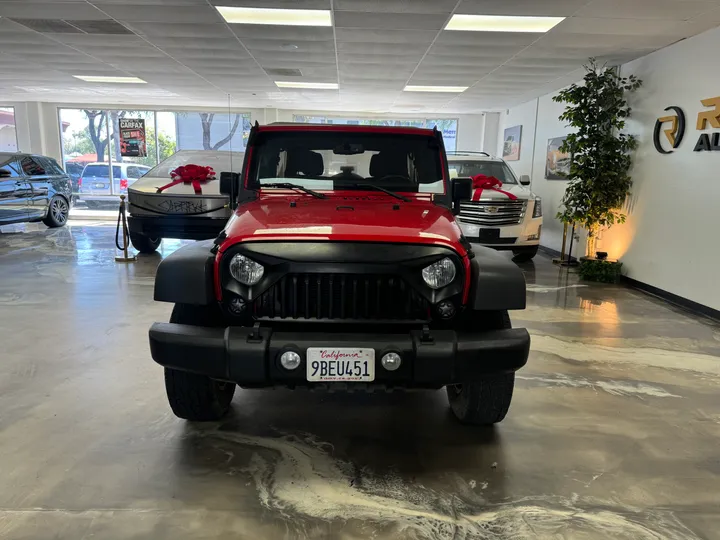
[(341, 296)]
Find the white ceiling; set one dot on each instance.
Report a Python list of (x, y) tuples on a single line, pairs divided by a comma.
[(189, 56)]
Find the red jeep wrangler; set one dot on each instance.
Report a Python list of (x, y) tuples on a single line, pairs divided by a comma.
[(342, 267)]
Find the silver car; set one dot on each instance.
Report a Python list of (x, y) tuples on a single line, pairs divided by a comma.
[(94, 182)]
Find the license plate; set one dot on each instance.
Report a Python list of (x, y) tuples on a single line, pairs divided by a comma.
[(98, 186), (487, 235), (325, 364)]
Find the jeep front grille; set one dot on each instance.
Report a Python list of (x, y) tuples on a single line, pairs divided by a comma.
[(493, 213), (341, 296)]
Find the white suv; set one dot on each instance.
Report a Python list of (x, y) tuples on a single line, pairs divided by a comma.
[(498, 220)]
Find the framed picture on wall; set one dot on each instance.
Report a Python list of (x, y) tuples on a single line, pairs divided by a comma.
[(557, 163), (511, 143)]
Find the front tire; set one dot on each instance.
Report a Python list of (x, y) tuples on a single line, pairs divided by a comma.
[(58, 212), (192, 396), (486, 401), (145, 244), (524, 255)]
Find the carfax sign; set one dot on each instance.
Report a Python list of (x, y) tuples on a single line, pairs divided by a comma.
[(132, 137)]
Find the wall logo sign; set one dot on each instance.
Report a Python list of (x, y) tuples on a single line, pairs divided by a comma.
[(674, 127), (674, 134), (709, 119)]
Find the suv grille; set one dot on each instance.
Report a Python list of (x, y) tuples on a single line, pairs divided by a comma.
[(341, 296), (493, 213)]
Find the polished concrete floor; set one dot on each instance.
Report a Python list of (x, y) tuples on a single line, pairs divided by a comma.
[(613, 432)]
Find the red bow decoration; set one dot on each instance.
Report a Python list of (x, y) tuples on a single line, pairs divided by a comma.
[(190, 174), (481, 182)]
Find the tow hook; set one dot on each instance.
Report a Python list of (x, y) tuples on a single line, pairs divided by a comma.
[(426, 337)]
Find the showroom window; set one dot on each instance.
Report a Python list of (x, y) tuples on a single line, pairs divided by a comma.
[(447, 126), (106, 151), (8, 135)]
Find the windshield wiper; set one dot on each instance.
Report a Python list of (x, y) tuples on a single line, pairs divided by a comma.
[(391, 193), (288, 185)]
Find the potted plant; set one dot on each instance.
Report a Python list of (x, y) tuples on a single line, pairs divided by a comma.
[(599, 180)]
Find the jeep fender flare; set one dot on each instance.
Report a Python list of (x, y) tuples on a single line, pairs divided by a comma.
[(497, 283), (186, 276)]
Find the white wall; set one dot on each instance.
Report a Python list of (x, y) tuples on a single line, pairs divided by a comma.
[(522, 115), (670, 239)]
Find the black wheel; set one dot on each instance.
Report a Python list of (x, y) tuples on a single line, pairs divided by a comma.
[(143, 243), (58, 211), (525, 254), (193, 396), (486, 401)]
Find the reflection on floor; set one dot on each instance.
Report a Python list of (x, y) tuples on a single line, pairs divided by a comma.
[(612, 434)]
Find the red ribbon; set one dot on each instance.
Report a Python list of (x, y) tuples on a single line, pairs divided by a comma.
[(190, 174), (481, 182)]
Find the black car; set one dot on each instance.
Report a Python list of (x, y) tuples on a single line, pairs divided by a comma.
[(33, 188)]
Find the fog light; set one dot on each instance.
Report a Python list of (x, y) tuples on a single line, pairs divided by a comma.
[(391, 361), (290, 359), (446, 309), (237, 305)]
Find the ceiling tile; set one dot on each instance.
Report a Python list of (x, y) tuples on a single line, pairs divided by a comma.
[(390, 21), (138, 12), (615, 26), (542, 8), (642, 10), (397, 6), (49, 10), (357, 35)]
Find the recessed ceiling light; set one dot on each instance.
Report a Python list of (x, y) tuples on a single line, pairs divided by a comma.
[(307, 85), (98, 78), (502, 23), (447, 89), (286, 17)]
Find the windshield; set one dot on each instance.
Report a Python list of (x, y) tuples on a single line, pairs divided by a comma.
[(347, 160), (102, 171), (470, 168), (219, 161)]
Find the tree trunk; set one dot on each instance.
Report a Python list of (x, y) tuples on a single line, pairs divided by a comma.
[(591, 243), (116, 135), (222, 142), (95, 132), (206, 120)]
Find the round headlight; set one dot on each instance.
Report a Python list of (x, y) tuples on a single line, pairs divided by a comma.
[(245, 270), (439, 274)]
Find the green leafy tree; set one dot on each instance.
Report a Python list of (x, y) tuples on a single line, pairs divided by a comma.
[(167, 144), (78, 142), (599, 179)]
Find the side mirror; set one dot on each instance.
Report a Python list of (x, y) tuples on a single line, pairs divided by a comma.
[(461, 191), (228, 184), (4, 173), (525, 180)]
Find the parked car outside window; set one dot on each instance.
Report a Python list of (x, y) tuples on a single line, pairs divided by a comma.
[(95, 189)]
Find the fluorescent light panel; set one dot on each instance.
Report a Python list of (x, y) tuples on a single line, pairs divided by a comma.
[(307, 85), (102, 79), (446, 89), (285, 17), (502, 23)]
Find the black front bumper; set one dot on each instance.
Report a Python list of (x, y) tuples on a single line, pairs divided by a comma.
[(251, 357), (182, 227)]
